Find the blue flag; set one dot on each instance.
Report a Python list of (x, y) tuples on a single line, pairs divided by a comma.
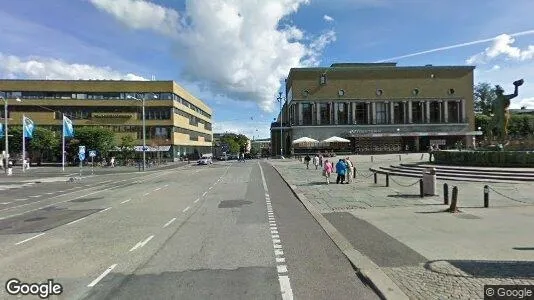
[(27, 127), (1, 130), (68, 129)]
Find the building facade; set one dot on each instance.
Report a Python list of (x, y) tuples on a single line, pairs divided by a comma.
[(177, 123), (378, 107)]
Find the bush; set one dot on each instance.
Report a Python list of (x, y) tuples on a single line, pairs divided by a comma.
[(516, 159)]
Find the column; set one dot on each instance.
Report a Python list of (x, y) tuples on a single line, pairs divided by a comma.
[(458, 113), (463, 120), (368, 110), (404, 111), (313, 115), (349, 110), (410, 119), (446, 111), (353, 109), (301, 117), (427, 111), (373, 112), (318, 116), (392, 114), (336, 108), (331, 113)]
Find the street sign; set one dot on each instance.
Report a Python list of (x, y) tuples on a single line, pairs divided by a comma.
[(92, 153), (81, 149)]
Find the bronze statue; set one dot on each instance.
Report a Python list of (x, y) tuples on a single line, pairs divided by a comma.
[(500, 110)]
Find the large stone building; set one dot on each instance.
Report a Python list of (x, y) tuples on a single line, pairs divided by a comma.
[(379, 107), (177, 123)]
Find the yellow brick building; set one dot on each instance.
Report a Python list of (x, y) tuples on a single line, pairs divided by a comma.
[(177, 123), (379, 107)]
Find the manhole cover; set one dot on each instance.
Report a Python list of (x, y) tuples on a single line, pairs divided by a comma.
[(233, 203), (35, 219)]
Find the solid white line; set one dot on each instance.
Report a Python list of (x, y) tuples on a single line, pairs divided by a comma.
[(127, 200), (285, 287), (22, 199), (105, 209), (49, 193), (106, 272), (75, 221), (186, 209), (5, 203), (36, 196), (29, 239), (157, 189), (281, 268), (146, 194), (196, 200), (169, 223)]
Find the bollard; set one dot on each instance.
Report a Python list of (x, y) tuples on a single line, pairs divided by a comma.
[(376, 179), (372, 159), (400, 159), (387, 180), (422, 155), (454, 200), (445, 194), (486, 196), (421, 188)]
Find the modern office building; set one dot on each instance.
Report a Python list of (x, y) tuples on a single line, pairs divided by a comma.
[(379, 107), (177, 123)]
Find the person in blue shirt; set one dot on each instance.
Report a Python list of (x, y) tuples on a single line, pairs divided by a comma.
[(341, 170)]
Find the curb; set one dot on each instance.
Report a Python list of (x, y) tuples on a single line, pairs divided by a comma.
[(366, 268)]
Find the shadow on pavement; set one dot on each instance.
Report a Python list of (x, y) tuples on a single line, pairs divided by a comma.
[(489, 269)]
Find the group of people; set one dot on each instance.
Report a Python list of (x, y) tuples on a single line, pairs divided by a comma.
[(344, 168)]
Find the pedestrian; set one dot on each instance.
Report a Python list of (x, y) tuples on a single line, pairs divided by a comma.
[(112, 162), (307, 161), (327, 170), (341, 169), (350, 170), (316, 161), (321, 160)]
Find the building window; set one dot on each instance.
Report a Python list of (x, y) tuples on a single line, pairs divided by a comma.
[(325, 113), (381, 113), (361, 113), (307, 114), (453, 111), (399, 108), (342, 113), (435, 109), (417, 112)]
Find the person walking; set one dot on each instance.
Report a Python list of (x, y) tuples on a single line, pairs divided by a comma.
[(316, 161), (350, 170), (307, 161), (341, 169), (327, 170), (321, 160)]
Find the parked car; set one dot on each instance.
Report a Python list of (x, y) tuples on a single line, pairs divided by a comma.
[(205, 160)]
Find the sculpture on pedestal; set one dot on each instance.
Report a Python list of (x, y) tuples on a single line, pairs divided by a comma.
[(501, 115)]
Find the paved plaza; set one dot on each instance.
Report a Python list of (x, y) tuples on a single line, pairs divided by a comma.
[(428, 253)]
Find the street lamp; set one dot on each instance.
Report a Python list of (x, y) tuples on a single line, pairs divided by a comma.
[(5, 130), (279, 99), (144, 125)]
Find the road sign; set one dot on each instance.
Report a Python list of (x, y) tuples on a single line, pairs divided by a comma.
[(81, 149), (81, 155), (92, 153)]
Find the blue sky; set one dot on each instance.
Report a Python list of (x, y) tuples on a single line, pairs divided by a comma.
[(233, 54)]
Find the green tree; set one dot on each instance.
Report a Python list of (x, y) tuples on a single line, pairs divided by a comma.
[(127, 146), (44, 144), (484, 95), (15, 141), (93, 138), (483, 121), (235, 142)]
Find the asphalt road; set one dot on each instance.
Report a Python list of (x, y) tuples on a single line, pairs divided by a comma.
[(226, 231)]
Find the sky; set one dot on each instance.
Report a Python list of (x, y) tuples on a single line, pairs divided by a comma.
[(235, 54)]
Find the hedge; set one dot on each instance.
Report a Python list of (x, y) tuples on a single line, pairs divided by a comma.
[(516, 159)]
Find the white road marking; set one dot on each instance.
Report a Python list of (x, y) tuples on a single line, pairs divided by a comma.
[(75, 221), (50, 193), (157, 189), (105, 209), (127, 200), (22, 199), (285, 285), (166, 185), (146, 194), (36, 196), (5, 203), (169, 223), (196, 200), (204, 194), (29, 239), (186, 209), (210, 188), (106, 272), (141, 244)]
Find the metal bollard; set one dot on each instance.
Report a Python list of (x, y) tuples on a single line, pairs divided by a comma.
[(422, 155), (454, 200), (421, 188), (400, 159), (445, 194), (486, 196), (387, 180), (372, 159), (376, 179)]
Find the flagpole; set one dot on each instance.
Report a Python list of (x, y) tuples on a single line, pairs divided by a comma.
[(23, 143), (63, 147)]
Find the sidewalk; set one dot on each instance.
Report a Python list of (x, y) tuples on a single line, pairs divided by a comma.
[(427, 253)]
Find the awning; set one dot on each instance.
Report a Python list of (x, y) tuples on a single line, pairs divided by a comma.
[(336, 139), (152, 149), (303, 140)]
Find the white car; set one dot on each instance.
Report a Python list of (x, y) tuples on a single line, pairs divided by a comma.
[(205, 160)]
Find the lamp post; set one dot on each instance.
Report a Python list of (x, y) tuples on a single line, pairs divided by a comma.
[(6, 139), (279, 99), (144, 126)]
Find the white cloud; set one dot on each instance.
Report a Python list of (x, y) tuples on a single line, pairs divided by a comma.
[(234, 47), (40, 68), (496, 67), (328, 18), (502, 47), (249, 128)]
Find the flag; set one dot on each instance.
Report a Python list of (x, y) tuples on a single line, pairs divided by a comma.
[(27, 127), (68, 129), (1, 130)]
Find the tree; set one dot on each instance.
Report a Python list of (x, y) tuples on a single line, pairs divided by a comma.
[(93, 138), (15, 140), (45, 143), (484, 95), (127, 147)]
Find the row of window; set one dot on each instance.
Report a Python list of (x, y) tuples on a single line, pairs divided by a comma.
[(105, 96), (193, 135), (193, 120)]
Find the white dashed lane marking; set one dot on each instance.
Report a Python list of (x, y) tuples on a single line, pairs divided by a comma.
[(127, 200), (29, 239), (169, 223), (198, 199), (186, 209), (141, 244), (106, 272), (285, 285)]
